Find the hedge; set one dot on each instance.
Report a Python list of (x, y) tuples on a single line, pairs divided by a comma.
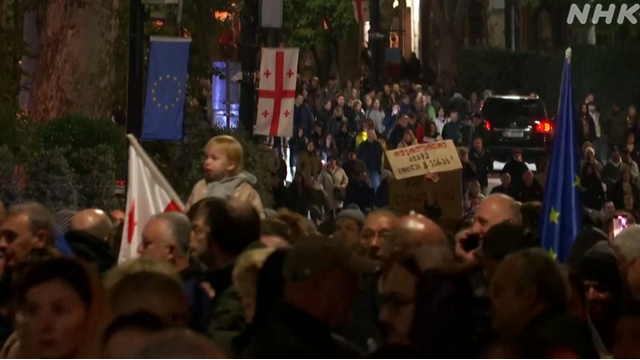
[(75, 162), (610, 73)]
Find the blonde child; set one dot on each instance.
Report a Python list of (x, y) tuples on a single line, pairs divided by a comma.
[(224, 176)]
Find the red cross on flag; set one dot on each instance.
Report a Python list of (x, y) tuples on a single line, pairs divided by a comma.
[(278, 70), (148, 194), (361, 10)]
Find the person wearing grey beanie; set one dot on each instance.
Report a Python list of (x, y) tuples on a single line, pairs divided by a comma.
[(349, 224)]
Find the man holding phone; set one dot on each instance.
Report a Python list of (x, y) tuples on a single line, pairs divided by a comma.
[(495, 209)]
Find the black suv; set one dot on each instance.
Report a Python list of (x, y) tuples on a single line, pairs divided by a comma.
[(518, 122)]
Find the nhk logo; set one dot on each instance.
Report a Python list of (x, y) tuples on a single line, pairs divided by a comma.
[(625, 13)]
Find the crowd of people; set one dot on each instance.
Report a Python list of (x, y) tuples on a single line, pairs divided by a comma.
[(331, 271)]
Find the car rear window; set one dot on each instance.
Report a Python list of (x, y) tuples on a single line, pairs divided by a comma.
[(527, 108)]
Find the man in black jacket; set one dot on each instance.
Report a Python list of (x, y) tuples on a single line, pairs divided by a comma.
[(320, 289), (506, 187), (516, 168), (483, 162)]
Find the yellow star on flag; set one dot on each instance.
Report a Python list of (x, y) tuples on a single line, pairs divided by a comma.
[(175, 78), (160, 78), (159, 105), (554, 215), (166, 107), (168, 76), (577, 182), (154, 99), (553, 254)]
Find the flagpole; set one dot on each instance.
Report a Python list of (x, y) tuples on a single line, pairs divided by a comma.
[(154, 170)]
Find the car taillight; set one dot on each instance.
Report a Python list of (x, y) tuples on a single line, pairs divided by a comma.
[(487, 125), (120, 183), (544, 127)]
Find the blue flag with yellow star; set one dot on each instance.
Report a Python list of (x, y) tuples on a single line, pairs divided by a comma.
[(166, 84), (562, 208)]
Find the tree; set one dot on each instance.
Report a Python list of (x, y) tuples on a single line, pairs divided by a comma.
[(448, 17), (12, 47), (51, 181), (76, 65), (319, 25)]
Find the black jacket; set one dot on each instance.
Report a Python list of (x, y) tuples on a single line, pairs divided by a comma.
[(291, 333), (532, 193), (91, 249), (510, 191), (553, 331), (516, 169), (484, 165)]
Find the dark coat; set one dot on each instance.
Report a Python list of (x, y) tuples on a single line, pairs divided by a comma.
[(510, 191), (617, 194), (370, 152), (91, 249), (532, 193), (516, 169), (361, 194), (484, 166), (291, 333)]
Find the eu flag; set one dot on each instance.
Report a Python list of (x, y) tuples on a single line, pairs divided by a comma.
[(166, 84), (562, 207)]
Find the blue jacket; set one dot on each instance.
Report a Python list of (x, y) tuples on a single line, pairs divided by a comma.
[(303, 118), (61, 244)]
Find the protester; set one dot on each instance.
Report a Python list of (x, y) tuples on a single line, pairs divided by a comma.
[(148, 285), (63, 311), (529, 300), (320, 285), (245, 278), (224, 174), (126, 335), (234, 226), (516, 168), (349, 226), (166, 237)]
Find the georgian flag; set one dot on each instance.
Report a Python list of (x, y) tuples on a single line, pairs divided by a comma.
[(361, 10), (148, 194), (278, 78)]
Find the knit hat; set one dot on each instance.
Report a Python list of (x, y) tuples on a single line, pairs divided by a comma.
[(352, 212), (316, 255), (600, 264)]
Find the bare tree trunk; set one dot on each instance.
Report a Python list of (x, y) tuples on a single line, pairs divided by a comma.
[(76, 66), (448, 41)]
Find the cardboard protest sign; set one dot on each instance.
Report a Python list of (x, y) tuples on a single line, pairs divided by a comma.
[(411, 194), (417, 160)]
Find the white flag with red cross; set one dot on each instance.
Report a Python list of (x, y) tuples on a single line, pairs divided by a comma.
[(148, 194), (278, 70), (361, 10)]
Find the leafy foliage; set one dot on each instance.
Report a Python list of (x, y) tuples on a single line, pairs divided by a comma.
[(82, 133), (303, 25), (96, 173), (605, 72), (10, 189), (51, 181), (12, 47)]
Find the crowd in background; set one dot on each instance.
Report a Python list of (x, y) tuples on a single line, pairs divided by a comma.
[(332, 271)]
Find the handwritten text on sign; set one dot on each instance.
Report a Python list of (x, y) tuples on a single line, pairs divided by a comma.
[(421, 159)]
